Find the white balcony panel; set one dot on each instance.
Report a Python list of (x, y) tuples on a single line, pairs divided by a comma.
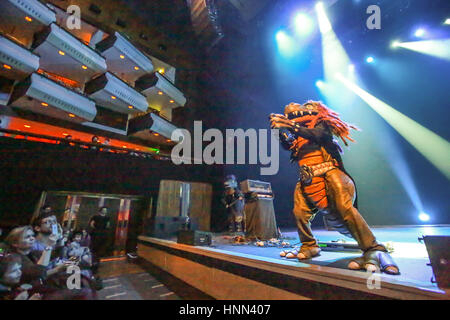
[(63, 54), (114, 94), (41, 95), (22, 18), (123, 58), (16, 62), (151, 127), (161, 93)]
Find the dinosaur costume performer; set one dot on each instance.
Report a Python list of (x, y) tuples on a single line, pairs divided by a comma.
[(324, 186)]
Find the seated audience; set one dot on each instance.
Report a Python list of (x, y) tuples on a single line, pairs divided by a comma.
[(49, 279)]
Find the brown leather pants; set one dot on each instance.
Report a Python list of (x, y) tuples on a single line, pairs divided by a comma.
[(341, 194)]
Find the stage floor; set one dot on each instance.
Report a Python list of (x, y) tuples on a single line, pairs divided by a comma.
[(410, 255)]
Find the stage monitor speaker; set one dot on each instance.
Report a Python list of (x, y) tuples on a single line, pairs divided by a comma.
[(195, 238), (439, 254)]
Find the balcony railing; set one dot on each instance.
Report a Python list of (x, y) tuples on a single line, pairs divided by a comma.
[(63, 54), (123, 58), (21, 19), (44, 96), (112, 93), (151, 127), (16, 62)]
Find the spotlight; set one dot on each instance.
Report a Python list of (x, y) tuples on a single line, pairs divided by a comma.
[(424, 217), (370, 60), (351, 68), (419, 33), (324, 23), (439, 48), (433, 147), (447, 21), (395, 44), (319, 84), (303, 24)]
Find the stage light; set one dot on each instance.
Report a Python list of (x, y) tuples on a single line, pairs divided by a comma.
[(351, 68), (395, 44), (370, 60), (61, 52), (319, 84), (84, 67), (447, 21), (437, 48), (424, 217), (285, 43), (419, 33), (324, 23), (122, 56), (334, 56), (136, 68), (113, 97), (303, 24), (433, 147)]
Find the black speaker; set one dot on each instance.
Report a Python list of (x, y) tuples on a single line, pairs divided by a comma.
[(168, 227), (439, 254), (195, 238)]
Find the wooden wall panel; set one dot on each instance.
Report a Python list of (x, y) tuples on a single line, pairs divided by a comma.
[(200, 201)]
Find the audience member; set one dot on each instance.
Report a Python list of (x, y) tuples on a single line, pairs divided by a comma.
[(10, 274), (99, 225)]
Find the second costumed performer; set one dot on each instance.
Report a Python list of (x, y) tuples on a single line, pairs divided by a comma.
[(233, 200), (324, 186)]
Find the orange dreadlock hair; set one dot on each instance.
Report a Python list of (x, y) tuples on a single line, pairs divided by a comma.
[(338, 127)]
